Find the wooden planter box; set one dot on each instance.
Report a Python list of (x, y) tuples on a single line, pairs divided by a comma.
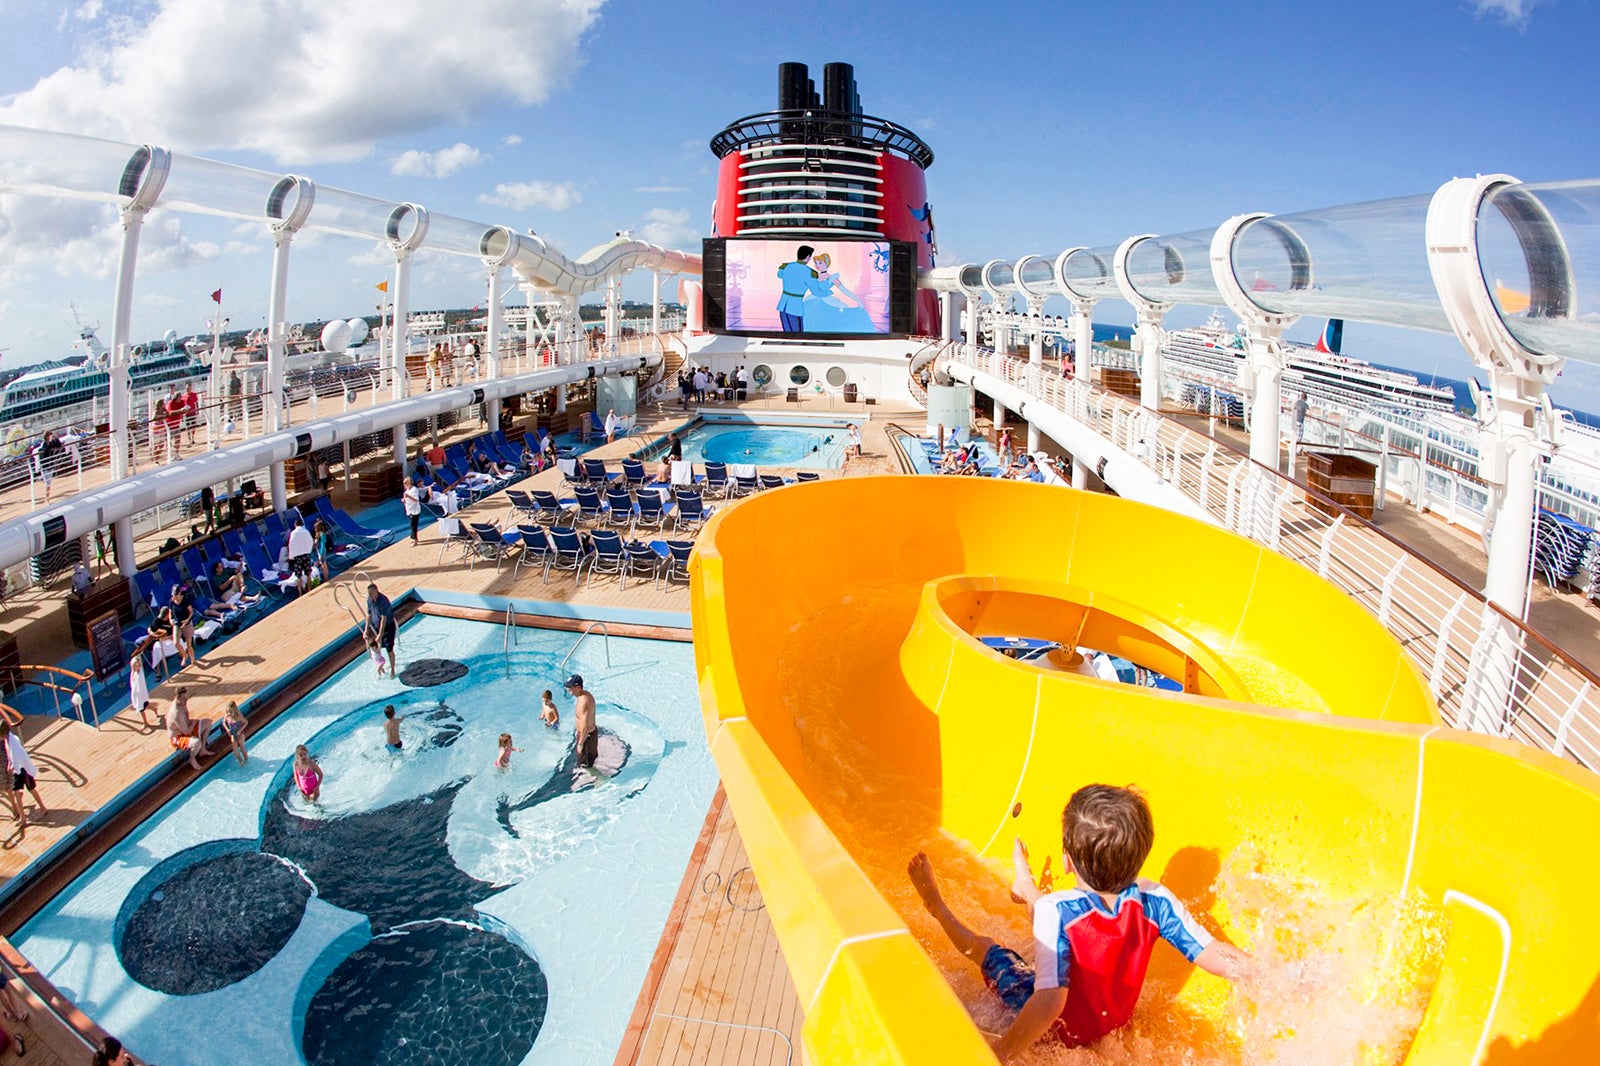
[(1121, 382), (1344, 479), (379, 484)]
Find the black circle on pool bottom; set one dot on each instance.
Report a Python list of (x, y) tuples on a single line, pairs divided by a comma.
[(425, 673), (214, 923), (433, 994)]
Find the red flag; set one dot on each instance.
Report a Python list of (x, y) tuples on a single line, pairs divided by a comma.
[(217, 296)]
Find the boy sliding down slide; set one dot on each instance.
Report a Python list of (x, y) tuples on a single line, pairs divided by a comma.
[(1092, 943)]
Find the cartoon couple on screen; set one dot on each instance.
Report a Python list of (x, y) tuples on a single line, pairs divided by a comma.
[(809, 303)]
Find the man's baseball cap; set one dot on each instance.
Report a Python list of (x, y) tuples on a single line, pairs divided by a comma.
[(575, 681)]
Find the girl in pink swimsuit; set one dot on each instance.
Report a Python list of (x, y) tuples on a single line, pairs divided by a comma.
[(307, 774)]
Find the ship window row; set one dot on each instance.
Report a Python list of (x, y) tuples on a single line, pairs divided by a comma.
[(829, 189), (750, 200), (808, 150), (811, 162)]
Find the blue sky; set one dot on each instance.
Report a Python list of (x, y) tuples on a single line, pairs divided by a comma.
[(1053, 125)]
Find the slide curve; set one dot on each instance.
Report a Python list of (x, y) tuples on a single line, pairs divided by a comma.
[(1301, 783)]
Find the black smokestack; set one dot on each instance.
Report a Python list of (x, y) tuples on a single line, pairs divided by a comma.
[(838, 86), (793, 87)]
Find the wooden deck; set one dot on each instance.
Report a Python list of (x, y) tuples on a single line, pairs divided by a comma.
[(718, 990)]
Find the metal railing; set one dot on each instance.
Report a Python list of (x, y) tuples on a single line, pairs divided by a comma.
[(605, 631), (511, 636), (1487, 670), (68, 683)]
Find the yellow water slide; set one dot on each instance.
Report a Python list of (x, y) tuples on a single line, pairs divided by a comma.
[(1426, 884)]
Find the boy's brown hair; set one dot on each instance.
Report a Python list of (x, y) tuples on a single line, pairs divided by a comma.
[(1107, 832)]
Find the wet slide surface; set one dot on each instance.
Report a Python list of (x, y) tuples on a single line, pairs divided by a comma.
[(1308, 806)]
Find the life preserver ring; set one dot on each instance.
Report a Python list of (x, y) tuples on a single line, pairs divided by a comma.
[(16, 443)]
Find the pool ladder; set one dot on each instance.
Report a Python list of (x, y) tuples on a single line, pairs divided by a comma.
[(591, 627), (510, 635)]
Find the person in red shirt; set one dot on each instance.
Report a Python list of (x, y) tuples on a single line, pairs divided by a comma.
[(1092, 943), (191, 410)]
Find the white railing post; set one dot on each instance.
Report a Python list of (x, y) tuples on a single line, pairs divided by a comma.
[(1442, 645), (1565, 725), (1386, 598), (1325, 556)]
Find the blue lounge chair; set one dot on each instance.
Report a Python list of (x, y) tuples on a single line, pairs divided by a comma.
[(677, 564), (522, 504), (492, 544), (743, 486), (641, 559), (535, 550), (717, 478), (351, 527), (633, 471), (551, 510), (274, 524), (692, 511), (619, 509), (148, 583), (567, 551), (590, 507), (594, 470), (653, 513), (772, 481), (807, 475), (609, 556)]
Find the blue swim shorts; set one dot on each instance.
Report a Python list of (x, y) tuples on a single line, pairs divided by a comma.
[(1007, 976)]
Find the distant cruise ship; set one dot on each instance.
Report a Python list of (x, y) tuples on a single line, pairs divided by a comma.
[(62, 395), (1214, 354)]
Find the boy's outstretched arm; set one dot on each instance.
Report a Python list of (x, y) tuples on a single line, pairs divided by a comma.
[(1031, 1022), (1225, 960)]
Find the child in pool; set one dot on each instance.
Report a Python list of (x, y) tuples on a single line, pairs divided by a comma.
[(391, 729), (548, 713), (502, 758), (233, 724), (307, 774)]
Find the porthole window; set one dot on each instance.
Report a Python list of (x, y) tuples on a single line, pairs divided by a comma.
[(761, 375), (836, 376), (799, 375)]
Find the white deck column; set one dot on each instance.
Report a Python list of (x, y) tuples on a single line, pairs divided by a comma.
[(491, 340)]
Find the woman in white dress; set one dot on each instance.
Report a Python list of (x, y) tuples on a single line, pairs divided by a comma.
[(138, 691)]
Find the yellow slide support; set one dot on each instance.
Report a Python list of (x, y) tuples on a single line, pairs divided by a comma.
[(1422, 883)]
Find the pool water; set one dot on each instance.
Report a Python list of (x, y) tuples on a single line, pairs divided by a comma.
[(820, 447), (428, 908)]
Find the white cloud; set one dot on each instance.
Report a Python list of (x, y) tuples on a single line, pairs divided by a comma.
[(441, 164), (304, 80), (511, 140), (88, 12), (661, 189), (669, 228), (1511, 12), (531, 195), (81, 238)]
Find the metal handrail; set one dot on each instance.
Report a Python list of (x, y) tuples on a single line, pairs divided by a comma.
[(511, 636), (605, 631), (1487, 670), (84, 679)]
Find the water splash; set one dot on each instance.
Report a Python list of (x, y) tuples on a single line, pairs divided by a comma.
[(1346, 980)]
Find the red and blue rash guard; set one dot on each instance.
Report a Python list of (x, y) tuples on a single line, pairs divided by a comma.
[(1099, 952)]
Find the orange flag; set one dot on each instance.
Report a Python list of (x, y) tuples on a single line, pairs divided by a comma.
[(383, 286)]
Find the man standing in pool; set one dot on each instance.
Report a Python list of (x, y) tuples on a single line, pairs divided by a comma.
[(588, 739), (380, 626), (798, 279)]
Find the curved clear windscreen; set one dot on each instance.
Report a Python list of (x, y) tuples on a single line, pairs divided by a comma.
[(1000, 277), (1531, 242), (1367, 262), (1088, 273), (343, 211), (447, 233), (972, 277), (40, 163), (1037, 277), (207, 187), (1174, 270)]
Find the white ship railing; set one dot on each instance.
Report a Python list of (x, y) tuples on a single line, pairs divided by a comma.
[(1488, 671), (85, 463)]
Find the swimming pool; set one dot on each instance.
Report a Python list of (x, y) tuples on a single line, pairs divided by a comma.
[(817, 445), (429, 909)]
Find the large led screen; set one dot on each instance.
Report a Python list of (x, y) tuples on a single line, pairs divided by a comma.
[(812, 287)]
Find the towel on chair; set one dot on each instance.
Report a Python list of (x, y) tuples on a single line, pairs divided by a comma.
[(682, 472), (741, 470)]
